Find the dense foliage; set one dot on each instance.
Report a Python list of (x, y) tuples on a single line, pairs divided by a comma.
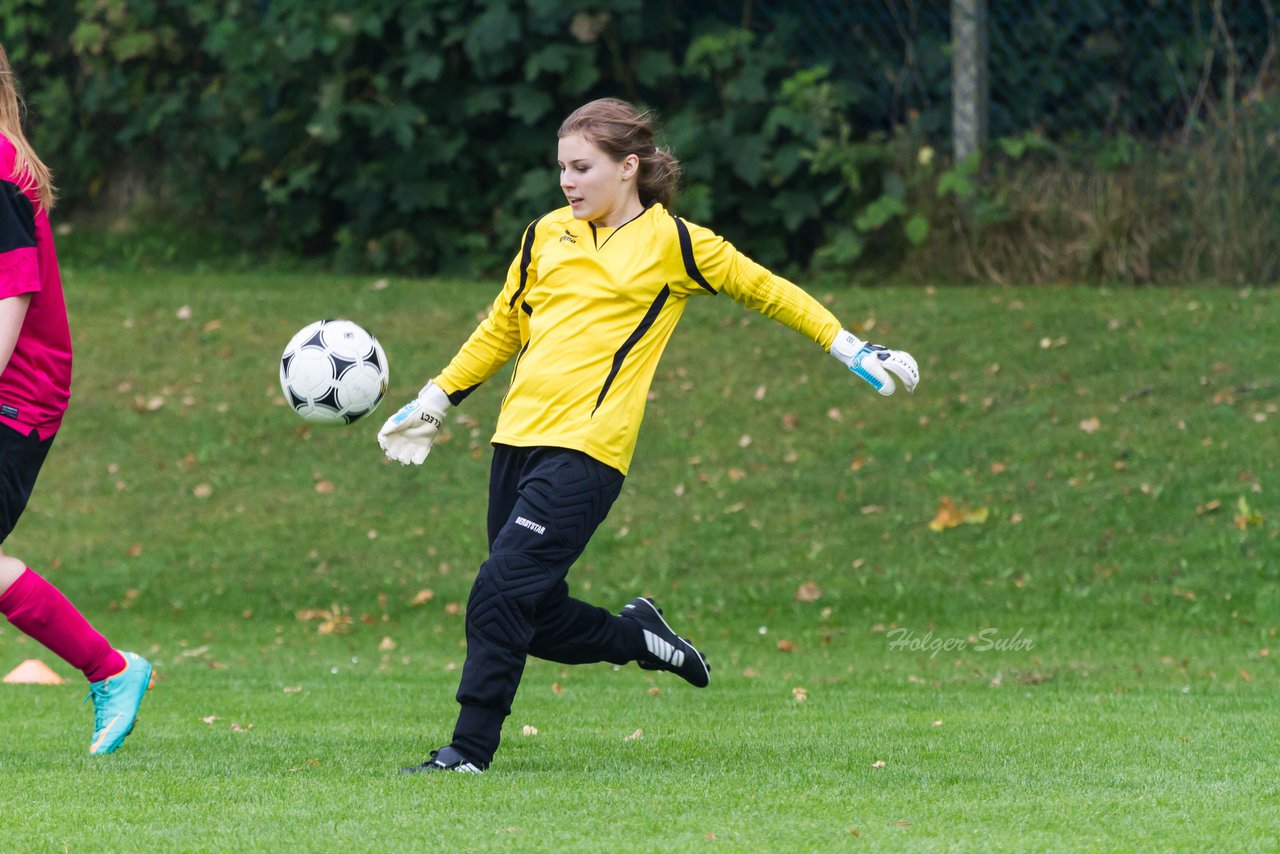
[(418, 135)]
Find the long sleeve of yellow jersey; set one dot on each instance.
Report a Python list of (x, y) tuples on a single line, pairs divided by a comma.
[(497, 338), (587, 311), (726, 269)]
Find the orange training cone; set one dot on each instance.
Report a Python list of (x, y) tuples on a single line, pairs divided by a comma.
[(33, 671)]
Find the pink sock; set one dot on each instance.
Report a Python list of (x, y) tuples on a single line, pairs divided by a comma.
[(38, 609)]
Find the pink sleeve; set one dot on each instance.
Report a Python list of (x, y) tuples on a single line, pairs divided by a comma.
[(19, 263)]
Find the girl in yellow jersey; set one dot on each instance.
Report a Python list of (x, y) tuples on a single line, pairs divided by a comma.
[(590, 302)]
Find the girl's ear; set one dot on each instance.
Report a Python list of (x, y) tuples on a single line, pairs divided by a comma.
[(630, 166)]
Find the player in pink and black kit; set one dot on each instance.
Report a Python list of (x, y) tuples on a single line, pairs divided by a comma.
[(35, 385)]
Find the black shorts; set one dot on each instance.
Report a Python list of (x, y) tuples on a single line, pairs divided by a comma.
[(20, 460)]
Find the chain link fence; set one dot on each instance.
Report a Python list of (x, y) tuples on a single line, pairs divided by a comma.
[(1076, 71)]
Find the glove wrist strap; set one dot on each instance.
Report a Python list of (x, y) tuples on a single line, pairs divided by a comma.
[(433, 396), (845, 346)]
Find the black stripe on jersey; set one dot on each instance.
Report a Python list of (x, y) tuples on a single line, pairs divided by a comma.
[(686, 251), (595, 237), (17, 218), (515, 369), (526, 255), (636, 334), (461, 395)]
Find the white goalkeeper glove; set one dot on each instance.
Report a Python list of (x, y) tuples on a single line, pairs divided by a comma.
[(875, 364), (408, 435)]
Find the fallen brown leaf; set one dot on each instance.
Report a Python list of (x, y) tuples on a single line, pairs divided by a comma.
[(808, 592), (951, 515)]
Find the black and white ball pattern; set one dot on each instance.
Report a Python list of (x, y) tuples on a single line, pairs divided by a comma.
[(333, 372)]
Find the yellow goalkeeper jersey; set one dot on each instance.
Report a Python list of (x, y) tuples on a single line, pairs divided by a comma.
[(587, 312)]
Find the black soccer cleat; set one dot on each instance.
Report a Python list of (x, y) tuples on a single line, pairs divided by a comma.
[(664, 649), (445, 759)]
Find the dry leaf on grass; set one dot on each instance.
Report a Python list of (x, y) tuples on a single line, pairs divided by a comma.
[(1208, 507), (952, 515), (334, 620), (1246, 517), (808, 592)]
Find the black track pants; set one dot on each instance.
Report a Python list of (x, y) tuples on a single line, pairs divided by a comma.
[(544, 505)]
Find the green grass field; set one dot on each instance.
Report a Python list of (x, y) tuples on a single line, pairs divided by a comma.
[(1087, 661)]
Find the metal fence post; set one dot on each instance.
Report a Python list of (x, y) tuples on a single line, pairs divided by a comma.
[(970, 90)]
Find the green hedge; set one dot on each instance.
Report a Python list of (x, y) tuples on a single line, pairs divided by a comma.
[(412, 135), (419, 135)]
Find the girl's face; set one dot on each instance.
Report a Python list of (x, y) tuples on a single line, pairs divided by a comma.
[(599, 189)]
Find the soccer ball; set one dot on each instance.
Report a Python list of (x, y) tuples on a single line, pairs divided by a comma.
[(333, 372)]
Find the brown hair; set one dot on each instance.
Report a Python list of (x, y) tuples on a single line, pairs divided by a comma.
[(31, 172), (619, 129)]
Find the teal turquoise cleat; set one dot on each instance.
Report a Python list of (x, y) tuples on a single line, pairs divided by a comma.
[(115, 703)]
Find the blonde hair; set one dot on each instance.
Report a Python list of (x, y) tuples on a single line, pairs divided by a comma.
[(30, 170), (619, 129)]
